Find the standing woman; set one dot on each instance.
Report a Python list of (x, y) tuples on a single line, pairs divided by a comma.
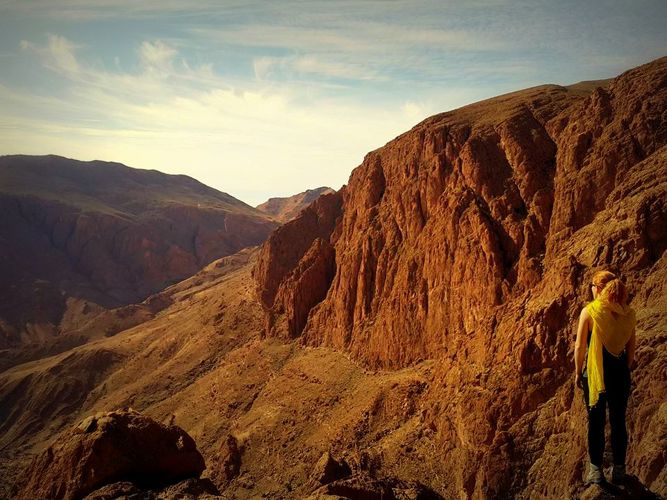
[(607, 328)]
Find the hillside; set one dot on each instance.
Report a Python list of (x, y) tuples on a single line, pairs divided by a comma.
[(285, 209), (81, 237)]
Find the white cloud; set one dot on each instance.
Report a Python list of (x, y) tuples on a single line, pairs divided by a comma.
[(85, 10), (57, 54), (266, 67), (62, 51), (263, 66), (311, 64), (338, 35), (156, 57), (413, 110)]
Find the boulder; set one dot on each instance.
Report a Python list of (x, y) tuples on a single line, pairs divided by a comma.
[(365, 487), (328, 469), (112, 447)]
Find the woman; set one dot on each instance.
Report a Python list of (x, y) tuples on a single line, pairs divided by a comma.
[(607, 327)]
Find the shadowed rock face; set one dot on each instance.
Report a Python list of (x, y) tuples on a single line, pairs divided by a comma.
[(471, 239), (110, 447), (104, 234), (296, 266)]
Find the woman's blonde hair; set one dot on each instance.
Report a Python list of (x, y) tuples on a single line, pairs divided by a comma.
[(610, 287)]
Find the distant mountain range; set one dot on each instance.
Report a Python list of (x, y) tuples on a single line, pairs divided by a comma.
[(77, 236)]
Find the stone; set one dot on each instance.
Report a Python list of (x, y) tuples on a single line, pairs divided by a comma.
[(123, 446), (328, 469)]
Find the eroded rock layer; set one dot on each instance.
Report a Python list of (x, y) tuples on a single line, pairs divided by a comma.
[(297, 265)]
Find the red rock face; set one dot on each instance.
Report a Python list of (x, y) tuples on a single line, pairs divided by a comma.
[(463, 214), (471, 240), (296, 266)]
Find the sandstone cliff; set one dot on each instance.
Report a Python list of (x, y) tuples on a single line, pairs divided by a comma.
[(471, 240), (285, 209), (78, 235), (296, 265)]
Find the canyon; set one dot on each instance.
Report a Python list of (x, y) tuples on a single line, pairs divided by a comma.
[(411, 334)]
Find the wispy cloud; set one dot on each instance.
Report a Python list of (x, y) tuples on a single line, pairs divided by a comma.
[(266, 67), (291, 93), (224, 134), (354, 37), (57, 54), (85, 10), (156, 56)]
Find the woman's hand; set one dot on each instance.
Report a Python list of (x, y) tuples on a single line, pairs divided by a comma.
[(578, 381)]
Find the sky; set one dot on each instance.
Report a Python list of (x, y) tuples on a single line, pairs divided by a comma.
[(269, 98)]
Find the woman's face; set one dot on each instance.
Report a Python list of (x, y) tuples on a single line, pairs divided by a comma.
[(594, 289)]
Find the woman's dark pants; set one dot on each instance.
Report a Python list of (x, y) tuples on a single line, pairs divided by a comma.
[(617, 391)]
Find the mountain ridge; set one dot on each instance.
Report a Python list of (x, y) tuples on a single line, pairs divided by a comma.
[(106, 235), (104, 170)]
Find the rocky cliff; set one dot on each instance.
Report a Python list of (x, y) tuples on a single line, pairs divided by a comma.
[(297, 265), (471, 239), (79, 235), (285, 209)]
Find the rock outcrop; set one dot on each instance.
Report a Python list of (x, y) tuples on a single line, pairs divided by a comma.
[(366, 487), (108, 448), (471, 240), (105, 235), (296, 266), (286, 209), (328, 469), (188, 489)]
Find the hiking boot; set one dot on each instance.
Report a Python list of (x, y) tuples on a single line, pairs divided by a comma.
[(618, 474), (595, 474)]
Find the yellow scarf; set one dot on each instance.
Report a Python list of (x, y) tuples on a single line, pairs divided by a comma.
[(613, 325)]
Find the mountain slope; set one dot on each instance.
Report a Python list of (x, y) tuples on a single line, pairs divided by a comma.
[(77, 236), (285, 209)]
